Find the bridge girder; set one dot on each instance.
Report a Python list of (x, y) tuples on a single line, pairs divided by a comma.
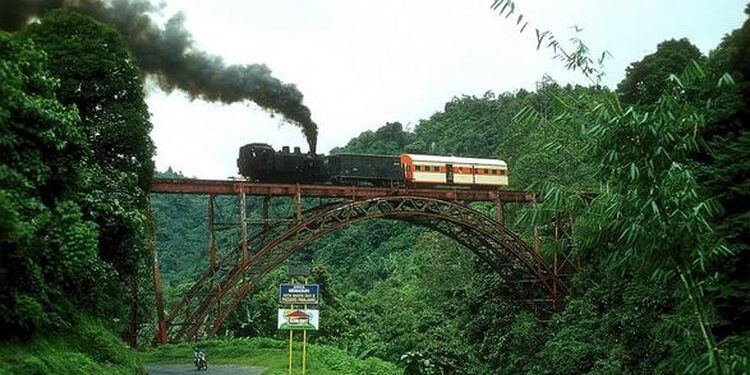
[(211, 300)]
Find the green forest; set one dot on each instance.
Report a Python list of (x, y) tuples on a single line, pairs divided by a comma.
[(651, 177)]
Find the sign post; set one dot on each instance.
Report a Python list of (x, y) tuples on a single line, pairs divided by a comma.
[(304, 334), (291, 336), (296, 319), (290, 352)]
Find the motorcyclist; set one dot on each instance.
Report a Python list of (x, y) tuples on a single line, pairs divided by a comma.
[(199, 357)]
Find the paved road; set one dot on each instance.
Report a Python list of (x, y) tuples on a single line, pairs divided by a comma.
[(212, 370)]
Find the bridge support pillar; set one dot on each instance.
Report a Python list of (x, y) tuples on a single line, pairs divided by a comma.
[(298, 203), (243, 225), (161, 328), (266, 220), (500, 211), (211, 233)]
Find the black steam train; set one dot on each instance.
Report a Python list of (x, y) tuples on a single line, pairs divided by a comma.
[(259, 162)]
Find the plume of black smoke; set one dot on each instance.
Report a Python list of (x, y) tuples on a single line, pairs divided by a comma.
[(169, 54)]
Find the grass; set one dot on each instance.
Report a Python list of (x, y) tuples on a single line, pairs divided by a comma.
[(87, 348), (273, 355)]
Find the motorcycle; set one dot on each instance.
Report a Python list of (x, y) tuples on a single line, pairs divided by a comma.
[(200, 364)]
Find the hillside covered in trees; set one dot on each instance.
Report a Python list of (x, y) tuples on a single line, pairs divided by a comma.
[(75, 163), (652, 176)]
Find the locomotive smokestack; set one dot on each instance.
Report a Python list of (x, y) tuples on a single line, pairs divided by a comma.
[(169, 55)]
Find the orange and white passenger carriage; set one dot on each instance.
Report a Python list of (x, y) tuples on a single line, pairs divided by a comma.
[(438, 170)]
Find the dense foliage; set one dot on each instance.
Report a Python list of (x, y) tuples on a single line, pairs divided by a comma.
[(726, 177), (645, 79), (650, 182), (75, 161), (98, 76), (90, 347), (48, 249)]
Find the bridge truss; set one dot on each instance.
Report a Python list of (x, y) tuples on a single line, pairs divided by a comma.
[(232, 276)]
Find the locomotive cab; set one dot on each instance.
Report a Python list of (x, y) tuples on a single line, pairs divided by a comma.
[(255, 161)]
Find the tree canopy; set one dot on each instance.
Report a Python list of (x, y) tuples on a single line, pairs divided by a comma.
[(75, 165), (646, 79), (98, 76)]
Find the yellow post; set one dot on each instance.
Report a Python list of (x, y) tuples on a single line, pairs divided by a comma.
[(291, 333), (304, 343), (304, 350), (290, 351)]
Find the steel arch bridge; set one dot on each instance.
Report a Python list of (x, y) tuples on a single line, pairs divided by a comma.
[(219, 291)]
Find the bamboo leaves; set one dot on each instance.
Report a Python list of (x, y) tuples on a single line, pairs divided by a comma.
[(540, 38), (577, 60)]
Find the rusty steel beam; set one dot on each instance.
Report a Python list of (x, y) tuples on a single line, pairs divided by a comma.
[(206, 308), (231, 187), (500, 211), (243, 227), (161, 321), (211, 233)]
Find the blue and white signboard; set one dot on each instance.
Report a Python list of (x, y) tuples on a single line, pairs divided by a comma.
[(298, 294)]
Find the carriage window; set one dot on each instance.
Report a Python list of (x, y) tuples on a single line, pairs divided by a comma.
[(486, 171), (418, 167)]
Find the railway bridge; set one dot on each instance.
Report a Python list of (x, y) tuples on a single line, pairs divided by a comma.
[(233, 275)]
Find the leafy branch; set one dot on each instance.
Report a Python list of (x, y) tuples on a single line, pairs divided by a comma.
[(577, 56)]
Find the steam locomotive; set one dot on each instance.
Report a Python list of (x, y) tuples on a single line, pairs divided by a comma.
[(259, 162)]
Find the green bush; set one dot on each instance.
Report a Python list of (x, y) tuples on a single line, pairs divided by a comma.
[(87, 347)]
